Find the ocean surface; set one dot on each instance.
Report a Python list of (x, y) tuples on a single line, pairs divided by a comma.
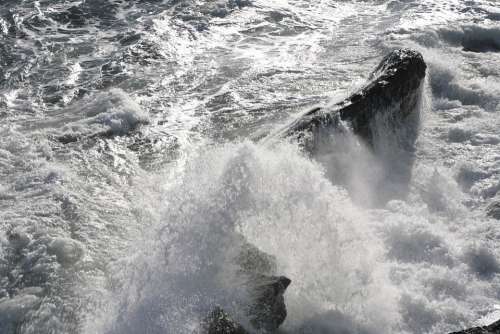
[(131, 143)]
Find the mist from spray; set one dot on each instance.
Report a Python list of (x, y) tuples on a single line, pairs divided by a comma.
[(278, 200), (291, 205)]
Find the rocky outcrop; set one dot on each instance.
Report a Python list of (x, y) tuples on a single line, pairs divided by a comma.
[(393, 87), (494, 328), (266, 308), (268, 311), (393, 91)]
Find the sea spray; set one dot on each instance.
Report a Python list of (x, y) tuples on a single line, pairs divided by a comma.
[(228, 70), (281, 202)]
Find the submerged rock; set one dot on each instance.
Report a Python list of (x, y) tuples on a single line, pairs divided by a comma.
[(393, 90), (494, 328)]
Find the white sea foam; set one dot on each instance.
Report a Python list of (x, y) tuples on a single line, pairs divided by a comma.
[(475, 38), (108, 112), (14, 310), (66, 250), (91, 242), (395, 270)]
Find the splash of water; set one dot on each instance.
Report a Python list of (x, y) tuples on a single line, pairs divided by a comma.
[(280, 201)]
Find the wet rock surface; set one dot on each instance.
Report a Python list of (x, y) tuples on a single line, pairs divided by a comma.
[(393, 89), (268, 311)]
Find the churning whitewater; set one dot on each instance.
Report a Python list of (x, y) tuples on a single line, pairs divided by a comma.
[(195, 166)]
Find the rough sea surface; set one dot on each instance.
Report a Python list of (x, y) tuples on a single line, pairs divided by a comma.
[(128, 149)]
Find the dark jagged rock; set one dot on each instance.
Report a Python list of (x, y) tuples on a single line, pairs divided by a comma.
[(393, 87), (493, 210), (266, 312), (266, 308), (494, 328)]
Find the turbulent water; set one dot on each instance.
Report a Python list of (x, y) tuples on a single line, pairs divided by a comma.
[(129, 154)]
